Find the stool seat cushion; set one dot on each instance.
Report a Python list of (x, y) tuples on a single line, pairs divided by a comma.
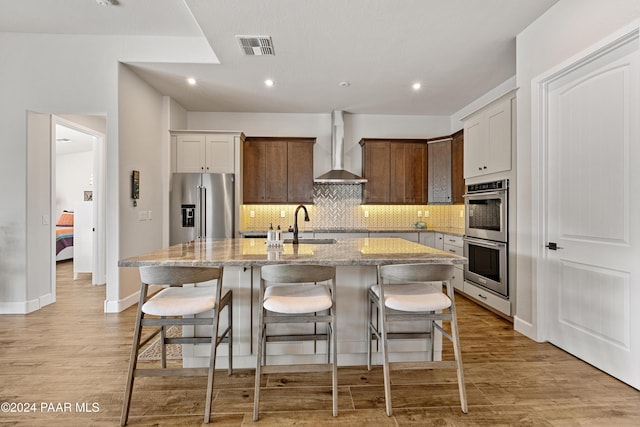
[(297, 299), (413, 297), (181, 301)]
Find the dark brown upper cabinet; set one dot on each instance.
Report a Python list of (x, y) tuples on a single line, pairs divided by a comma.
[(446, 180), (396, 171), (277, 170)]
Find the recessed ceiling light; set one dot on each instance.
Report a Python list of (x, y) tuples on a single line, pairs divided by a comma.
[(191, 81), (416, 86), (269, 83), (344, 84)]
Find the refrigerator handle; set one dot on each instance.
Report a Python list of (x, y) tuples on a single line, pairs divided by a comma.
[(203, 211)]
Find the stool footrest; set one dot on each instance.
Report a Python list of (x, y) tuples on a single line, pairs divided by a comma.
[(283, 338), (424, 365), (403, 335), (282, 369), (171, 372)]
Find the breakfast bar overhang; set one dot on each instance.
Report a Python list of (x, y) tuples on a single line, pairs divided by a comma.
[(356, 260)]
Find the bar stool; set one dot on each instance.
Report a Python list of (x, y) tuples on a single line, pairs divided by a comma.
[(413, 292), (293, 293), (178, 305)]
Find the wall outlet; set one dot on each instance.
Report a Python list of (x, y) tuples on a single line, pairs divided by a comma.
[(283, 214), (426, 214), (252, 213), (419, 214), (461, 214), (366, 214)]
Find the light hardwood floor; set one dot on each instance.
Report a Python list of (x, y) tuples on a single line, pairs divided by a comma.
[(72, 353)]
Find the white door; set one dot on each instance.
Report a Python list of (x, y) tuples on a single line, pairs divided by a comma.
[(592, 280)]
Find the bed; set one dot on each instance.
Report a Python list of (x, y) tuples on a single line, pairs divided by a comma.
[(64, 236)]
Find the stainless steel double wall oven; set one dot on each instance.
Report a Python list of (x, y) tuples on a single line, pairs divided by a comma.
[(486, 236)]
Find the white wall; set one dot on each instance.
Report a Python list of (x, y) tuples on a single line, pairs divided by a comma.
[(356, 127), (73, 176), (35, 76), (140, 118), (565, 30)]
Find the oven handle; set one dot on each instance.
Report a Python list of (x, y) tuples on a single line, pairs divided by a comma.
[(491, 193), (486, 243)]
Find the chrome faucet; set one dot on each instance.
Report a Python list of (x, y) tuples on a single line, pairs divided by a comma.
[(295, 222)]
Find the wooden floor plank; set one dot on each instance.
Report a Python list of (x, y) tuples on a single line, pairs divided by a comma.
[(72, 352)]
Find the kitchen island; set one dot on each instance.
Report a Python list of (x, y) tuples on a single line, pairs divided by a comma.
[(356, 260)]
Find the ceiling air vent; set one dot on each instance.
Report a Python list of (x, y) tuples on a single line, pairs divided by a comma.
[(256, 45)]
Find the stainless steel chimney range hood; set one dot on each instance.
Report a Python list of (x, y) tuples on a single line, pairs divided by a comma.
[(337, 174)]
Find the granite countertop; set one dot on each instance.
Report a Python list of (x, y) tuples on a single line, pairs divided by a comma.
[(457, 231), (254, 252)]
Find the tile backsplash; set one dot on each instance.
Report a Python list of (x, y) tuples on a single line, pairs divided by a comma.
[(339, 207)]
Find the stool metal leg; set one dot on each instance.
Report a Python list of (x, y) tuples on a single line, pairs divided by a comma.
[(133, 361), (455, 339), (260, 357)]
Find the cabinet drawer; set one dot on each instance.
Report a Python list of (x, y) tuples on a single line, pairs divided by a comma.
[(450, 239), (486, 297), (453, 249)]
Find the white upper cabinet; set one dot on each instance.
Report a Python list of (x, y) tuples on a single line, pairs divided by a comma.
[(206, 153), (487, 139)]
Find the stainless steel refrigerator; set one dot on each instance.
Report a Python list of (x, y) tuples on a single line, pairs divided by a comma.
[(201, 205)]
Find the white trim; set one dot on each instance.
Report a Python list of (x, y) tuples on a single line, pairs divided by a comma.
[(20, 307), (116, 306), (511, 93), (120, 305), (524, 327)]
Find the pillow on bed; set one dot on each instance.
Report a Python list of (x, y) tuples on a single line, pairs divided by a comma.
[(66, 219)]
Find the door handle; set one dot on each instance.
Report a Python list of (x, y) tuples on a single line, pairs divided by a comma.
[(553, 246)]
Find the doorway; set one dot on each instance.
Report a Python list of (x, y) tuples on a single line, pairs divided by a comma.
[(588, 270), (78, 191)]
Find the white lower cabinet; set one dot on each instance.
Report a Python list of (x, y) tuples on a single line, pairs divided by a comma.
[(486, 297), (454, 245), (448, 243), (428, 238)]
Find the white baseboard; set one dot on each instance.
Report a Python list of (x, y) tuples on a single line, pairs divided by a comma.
[(19, 307), (525, 328), (119, 305)]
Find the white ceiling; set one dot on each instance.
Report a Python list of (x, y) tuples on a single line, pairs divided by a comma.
[(457, 49), (69, 140)]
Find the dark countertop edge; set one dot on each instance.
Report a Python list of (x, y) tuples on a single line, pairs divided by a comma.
[(446, 230)]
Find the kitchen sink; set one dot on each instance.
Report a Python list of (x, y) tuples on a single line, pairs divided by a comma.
[(312, 241)]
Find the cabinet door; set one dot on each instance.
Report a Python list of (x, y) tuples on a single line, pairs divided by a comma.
[(275, 157), (474, 153), (253, 171), (457, 166), (498, 139), (416, 175), (428, 238), (376, 170), (440, 172), (190, 153), (300, 171), (219, 154), (408, 169), (488, 140)]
